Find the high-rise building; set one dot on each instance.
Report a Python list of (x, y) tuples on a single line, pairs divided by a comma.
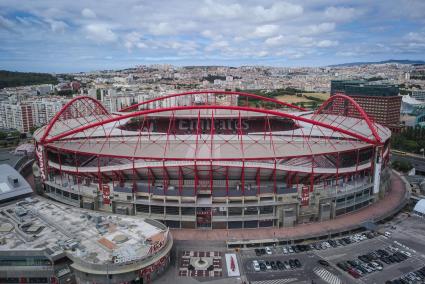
[(381, 102), (17, 116), (22, 116)]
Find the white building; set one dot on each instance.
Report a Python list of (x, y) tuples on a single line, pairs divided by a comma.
[(17, 116)]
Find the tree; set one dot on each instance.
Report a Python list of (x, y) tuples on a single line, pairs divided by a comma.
[(15, 134), (401, 165), (33, 129)]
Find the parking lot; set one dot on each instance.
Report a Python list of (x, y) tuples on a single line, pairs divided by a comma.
[(310, 268), (405, 234), (382, 258)]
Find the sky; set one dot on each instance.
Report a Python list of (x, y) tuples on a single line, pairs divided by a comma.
[(73, 36)]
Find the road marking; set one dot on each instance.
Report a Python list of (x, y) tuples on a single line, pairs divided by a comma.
[(327, 276), (334, 256), (275, 281)]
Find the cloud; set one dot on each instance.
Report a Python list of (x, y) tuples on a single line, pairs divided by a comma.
[(165, 28), (318, 29), (341, 14), (213, 31), (134, 39), (57, 26), (327, 43), (279, 10), (87, 13), (257, 13), (265, 31), (100, 33), (221, 10), (6, 24)]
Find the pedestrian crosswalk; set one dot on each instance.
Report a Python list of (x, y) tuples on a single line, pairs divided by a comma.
[(327, 276), (275, 281)]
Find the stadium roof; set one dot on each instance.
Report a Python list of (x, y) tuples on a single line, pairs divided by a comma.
[(85, 126)]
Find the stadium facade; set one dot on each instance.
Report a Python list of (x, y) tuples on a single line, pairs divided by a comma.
[(215, 159)]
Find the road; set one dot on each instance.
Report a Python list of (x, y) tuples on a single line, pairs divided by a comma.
[(417, 161)]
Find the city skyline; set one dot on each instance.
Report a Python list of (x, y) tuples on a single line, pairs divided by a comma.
[(59, 36)]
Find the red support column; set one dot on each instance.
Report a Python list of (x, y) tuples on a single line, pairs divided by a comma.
[(165, 177), (180, 180), (243, 177), (196, 150), (78, 174), (357, 162), (211, 150), (289, 180), (60, 167), (149, 180), (196, 180), (337, 169), (258, 179), (227, 180), (274, 177), (211, 177), (297, 179), (99, 175), (134, 179), (312, 174)]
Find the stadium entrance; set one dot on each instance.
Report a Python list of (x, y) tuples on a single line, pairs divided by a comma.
[(203, 217)]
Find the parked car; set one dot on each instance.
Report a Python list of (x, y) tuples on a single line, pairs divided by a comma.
[(268, 266), (280, 265), (323, 262), (268, 250), (256, 265), (406, 253), (297, 263)]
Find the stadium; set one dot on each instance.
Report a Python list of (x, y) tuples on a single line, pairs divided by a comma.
[(215, 159)]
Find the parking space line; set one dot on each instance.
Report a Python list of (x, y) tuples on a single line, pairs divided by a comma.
[(275, 281), (327, 276)]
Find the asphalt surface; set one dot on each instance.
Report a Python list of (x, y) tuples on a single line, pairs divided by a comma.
[(6, 157), (408, 235)]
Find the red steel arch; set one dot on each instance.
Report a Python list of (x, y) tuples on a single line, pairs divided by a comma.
[(359, 109), (214, 92), (213, 107), (99, 108)]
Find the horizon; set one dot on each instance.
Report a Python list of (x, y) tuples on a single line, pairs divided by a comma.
[(355, 63), (62, 37)]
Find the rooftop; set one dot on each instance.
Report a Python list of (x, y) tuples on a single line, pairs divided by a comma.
[(12, 184), (92, 238)]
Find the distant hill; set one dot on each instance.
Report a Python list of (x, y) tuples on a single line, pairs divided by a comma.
[(16, 79), (379, 62)]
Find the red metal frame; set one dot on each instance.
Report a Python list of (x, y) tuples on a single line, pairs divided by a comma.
[(66, 107), (202, 107), (360, 110)]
